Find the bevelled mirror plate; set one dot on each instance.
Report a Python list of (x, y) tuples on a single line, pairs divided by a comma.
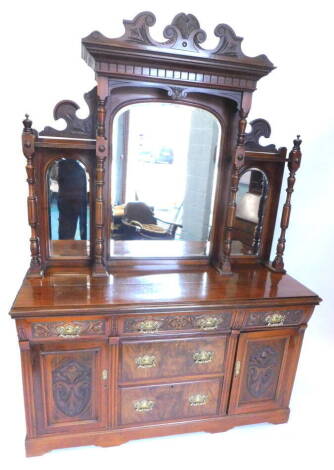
[(164, 169), (250, 211), (68, 208)]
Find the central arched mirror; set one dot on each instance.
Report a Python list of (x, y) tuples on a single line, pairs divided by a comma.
[(163, 176)]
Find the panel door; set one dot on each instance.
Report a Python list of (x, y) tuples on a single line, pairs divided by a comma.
[(70, 382), (264, 368)]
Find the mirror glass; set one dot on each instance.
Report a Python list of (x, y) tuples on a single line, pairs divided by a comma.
[(69, 214), (163, 176), (248, 223)]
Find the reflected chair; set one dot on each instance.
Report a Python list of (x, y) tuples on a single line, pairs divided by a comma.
[(248, 221), (139, 222)]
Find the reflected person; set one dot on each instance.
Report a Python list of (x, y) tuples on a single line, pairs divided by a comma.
[(72, 199)]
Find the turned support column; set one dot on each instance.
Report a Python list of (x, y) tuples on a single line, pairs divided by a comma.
[(293, 165), (28, 145), (99, 269), (237, 163)]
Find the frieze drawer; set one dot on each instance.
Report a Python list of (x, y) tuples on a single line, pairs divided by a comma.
[(169, 402), (190, 322), (273, 318), (154, 359), (64, 328)]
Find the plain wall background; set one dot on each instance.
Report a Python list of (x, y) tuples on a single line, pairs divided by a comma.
[(41, 65)]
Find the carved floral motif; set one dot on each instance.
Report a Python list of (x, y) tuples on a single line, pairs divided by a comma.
[(82, 328), (262, 370), (71, 385), (290, 317), (181, 322)]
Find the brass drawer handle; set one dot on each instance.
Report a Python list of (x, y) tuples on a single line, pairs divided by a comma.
[(142, 406), (198, 400), (68, 330), (203, 357), (275, 319), (146, 361), (209, 323), (148, 326)]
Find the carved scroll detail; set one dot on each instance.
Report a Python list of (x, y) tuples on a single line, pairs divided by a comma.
[(260, 128), (177, 93), (293, 164), (184, 33), (75, 127), (71, 383)]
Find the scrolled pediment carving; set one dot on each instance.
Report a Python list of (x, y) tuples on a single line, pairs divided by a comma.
[(259, 128), (183, 33), (75, 126)]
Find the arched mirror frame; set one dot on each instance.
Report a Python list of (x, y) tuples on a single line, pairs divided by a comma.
[(46, 161), (224, 109), (272, 166), (262, 211)]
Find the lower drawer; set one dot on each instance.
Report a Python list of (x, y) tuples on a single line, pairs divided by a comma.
[(169, 402)]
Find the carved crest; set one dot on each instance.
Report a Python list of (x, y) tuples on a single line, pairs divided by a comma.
[(184, 33), (75, 127), (260, 128), (71, 387)]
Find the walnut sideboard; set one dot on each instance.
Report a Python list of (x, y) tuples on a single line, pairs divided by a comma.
[(151, 306), (104, 361)]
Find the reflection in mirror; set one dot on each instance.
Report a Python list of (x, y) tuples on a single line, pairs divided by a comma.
[(68, 200), (248, 223), (163, 174)]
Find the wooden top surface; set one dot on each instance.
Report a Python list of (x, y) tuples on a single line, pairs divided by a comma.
[(75, 291)]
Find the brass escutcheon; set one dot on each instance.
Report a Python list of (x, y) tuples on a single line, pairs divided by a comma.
[(203, 357), (146, 361), (275, 319), (143, 405), (198, 400), (68, 330)]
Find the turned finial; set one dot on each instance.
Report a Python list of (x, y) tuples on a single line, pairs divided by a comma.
[(27, 123), (297, 142), (295, 155)]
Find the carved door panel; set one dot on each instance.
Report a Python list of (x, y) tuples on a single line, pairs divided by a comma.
[(264, 369), (70, 384)]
